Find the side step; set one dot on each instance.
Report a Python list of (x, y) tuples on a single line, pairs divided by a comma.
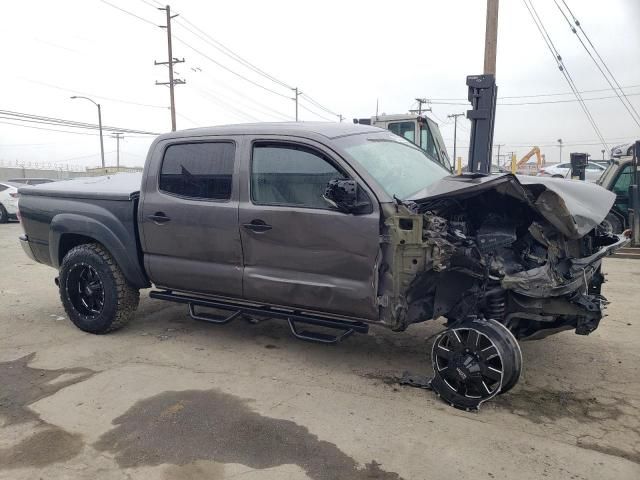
[(293, 317)]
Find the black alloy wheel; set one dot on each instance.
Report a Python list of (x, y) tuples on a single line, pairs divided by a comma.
[(473, 362), (85, 290)]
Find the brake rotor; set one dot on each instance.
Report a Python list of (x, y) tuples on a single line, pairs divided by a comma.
[(473, 362)]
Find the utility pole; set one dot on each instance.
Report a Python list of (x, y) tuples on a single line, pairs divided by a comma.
[(295, 99), (498, 156), (172, 81), (341, 117), (560, 145), (117, 136), (455, 130), (491, 38), (422, 101), (603, 154)]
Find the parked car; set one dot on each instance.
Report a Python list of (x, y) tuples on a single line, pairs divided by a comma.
[(8, 200), (31, 181), (331, 225), (592, 174)]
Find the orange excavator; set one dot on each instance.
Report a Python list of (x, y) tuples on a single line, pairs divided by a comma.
[(540, 160)]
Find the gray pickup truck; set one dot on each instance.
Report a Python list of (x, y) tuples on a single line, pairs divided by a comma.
[(332, 228)]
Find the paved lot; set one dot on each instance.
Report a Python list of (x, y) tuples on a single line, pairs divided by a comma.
[(170, 398)]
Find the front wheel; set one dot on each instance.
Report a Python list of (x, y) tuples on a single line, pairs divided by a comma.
[(93, 290), (474, 362)]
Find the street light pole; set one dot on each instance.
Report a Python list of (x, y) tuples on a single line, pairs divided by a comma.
[(99, 125), (560, 145)]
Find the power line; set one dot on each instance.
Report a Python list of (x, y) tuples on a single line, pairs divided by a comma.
[(205, 37), (244, 96), (627, 104), (129, 13), (562, 67), (536, 95), (28, 117), (57, 87), (461, 101), (44, 128), (204, 55), (315, 113)]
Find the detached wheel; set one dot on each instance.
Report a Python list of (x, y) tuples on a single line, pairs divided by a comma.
[(4, 216), (94, 292), (474, 362)]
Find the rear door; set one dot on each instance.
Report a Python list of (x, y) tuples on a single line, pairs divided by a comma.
[(297, 251), (189, 217)]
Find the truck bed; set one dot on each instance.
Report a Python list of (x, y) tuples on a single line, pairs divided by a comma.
[(57, 216), (122, 186)]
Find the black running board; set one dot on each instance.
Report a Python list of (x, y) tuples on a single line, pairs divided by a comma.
[(293, 317)]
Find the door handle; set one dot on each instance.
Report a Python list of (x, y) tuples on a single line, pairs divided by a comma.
[(159, 218), (257, 226)]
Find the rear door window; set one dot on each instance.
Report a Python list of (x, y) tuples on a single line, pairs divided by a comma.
[(290, 175), (3, 187), (198, 170)]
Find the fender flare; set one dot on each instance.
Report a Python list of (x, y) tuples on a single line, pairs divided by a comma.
[(124, 255)]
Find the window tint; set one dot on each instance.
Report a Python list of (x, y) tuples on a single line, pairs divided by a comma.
[(623, 181), (404, 129), (3, 187), (198, 170), (290, 175)]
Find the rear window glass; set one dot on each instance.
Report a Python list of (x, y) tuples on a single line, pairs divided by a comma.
[(198, 170)]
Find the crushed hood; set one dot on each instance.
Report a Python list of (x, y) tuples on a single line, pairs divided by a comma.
[(572, 206)]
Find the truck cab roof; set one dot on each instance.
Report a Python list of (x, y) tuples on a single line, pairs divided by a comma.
[(325, 129)]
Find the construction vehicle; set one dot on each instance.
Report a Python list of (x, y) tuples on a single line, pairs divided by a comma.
[(418, 129), (520, 166)]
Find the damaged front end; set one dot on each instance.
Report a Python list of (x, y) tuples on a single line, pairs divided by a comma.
[(523, 251)]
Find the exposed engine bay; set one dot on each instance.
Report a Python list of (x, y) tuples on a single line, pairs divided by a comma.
[(502, 250)]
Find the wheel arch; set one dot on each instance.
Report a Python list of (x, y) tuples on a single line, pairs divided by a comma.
[(69, 230)]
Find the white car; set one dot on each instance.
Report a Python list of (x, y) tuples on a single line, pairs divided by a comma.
[(8, 200), (562, 170)]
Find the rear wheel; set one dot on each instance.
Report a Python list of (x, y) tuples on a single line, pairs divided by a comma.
[(93, 290), (4, 216), (474, 362)]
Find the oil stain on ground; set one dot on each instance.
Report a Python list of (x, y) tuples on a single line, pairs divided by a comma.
[(541, 406), (181, 428), (20, 386)]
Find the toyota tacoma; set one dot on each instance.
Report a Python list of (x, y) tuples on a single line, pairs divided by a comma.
[(331, 227)]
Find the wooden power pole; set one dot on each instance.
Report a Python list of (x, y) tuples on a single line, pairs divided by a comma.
[(172, 81), (491, 37)]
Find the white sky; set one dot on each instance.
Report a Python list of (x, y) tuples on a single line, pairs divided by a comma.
[(344, 54)]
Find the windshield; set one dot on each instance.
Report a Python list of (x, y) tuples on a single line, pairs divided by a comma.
[(397, 165)]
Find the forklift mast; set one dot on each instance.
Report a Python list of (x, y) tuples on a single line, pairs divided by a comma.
[(482, 95)]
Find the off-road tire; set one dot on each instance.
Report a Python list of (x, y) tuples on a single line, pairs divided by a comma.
[(120, 299), (4, 216)]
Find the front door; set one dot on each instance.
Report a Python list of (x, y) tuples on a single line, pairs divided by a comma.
[(297, 251), (189, 217)]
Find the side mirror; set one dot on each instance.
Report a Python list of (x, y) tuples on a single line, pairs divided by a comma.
[(342, 195)]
